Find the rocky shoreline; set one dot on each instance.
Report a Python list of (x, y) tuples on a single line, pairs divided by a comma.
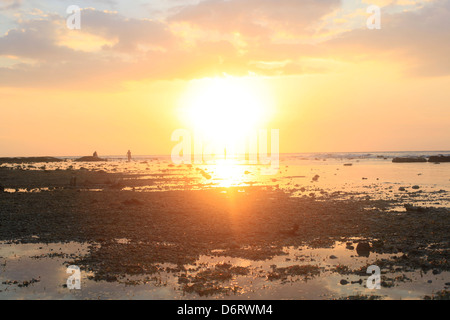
[(177, 227)]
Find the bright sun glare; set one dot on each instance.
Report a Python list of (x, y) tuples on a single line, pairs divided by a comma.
[(225, 109)]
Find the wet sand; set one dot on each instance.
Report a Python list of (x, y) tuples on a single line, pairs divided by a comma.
[(237, 242)]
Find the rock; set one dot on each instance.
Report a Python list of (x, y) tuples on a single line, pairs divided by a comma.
[(401, 189), (416, 187), (411, 208), (439, 158), (333, 257), (343, 282), (29, 160), (110, 278), (408, 159), (363, 249), (436, 272), (316, 177), (90, 159)]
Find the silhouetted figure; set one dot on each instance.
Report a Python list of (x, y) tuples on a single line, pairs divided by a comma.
[(95, 154), (129, 155)]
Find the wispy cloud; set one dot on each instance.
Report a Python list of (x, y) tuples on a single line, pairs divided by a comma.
[(214, 37)]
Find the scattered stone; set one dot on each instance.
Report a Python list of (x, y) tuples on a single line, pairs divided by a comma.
[(343, 282), (349, 247), (363, 249)]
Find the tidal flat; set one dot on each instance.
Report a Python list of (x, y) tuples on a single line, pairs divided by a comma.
[(170, 232)]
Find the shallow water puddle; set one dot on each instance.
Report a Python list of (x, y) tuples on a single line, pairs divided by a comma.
[(38, 271)]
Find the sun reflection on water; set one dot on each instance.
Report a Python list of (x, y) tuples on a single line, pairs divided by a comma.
[(229, 173)]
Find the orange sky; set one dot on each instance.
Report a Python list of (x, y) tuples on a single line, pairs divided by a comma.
[(323, 79)]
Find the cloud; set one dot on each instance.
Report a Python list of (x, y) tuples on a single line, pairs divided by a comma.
[(129, 32), (36, 39), (418, 39), (256, 18), (10, 4), (237, 37)]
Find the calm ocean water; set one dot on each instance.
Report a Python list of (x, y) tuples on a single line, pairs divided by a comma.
[(308, 156)]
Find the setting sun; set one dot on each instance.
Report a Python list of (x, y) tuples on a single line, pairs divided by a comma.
[(223, 151), (224, 109)]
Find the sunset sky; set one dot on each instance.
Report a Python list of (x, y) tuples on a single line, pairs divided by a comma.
[(312, 69)]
